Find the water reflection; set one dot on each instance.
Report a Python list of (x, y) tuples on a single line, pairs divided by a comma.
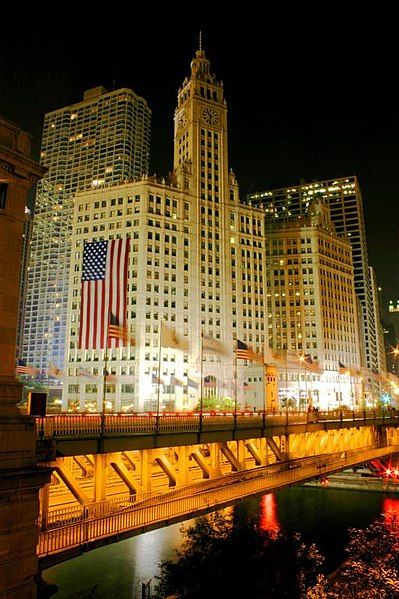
[(320, 515), (268, 514), (390, 510)]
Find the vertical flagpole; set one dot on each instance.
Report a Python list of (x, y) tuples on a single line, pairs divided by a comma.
[(159, 375), (286, 377), (363, 398), (235, 383), (352, 396), (299, 385), (201, 380), (264, 388), (105, 377), (306, 384)]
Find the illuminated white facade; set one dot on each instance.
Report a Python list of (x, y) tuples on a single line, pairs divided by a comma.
[(312, 308), (98, 142), (197, 263)]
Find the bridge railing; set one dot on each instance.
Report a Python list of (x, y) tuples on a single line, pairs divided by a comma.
[(68, 515), (95, 425)]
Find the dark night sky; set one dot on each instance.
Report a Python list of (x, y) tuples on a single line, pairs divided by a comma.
[(306, 100)]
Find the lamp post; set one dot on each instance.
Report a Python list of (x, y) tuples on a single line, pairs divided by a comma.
[(302, 363)]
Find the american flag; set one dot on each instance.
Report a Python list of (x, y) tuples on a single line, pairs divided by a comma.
[(104, 280), (174, 381), (84, 372), (55, 372), (155, 380), (211, 345), (311, 365), (244, 352), (209, 381), (192, 384), (118, 331), (24, 368), (342, 369), (348, 370)]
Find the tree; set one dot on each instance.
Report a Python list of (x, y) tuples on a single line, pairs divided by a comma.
[(372, 568), (223, 558), (216, 403)]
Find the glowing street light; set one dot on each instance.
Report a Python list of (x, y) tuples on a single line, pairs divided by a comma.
[(395, 353)]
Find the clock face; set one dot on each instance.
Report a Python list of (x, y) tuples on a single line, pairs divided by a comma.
[(210, 116), (182, 121)]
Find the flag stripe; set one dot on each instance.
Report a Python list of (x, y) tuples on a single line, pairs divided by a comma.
[(113, 289), (97, 309), (104, 282), (244, 352)]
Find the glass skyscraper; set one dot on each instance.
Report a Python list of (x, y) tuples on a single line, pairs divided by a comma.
[(102, 141)]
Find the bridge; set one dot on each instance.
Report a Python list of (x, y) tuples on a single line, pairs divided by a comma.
[(119, 475)]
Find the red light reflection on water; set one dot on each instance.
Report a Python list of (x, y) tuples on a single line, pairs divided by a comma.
[(268, 514), (390, 509)]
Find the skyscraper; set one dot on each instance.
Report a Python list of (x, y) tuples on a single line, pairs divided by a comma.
[(312, 308), (98, 142), (197, 263), (344, 198)]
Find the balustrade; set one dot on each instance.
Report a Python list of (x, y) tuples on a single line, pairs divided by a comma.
[(95, 425)]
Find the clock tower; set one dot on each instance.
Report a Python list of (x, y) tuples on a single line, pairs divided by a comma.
[(200, 141), (201, 171)]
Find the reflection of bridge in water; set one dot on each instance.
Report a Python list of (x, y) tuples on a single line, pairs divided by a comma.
[(119, 475)]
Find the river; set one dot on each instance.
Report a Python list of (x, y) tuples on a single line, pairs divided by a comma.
[(321, 515)]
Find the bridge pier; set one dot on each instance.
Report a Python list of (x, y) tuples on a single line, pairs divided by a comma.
[(20, 478)]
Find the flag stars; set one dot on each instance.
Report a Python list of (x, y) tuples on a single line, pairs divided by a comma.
[(94, 261)]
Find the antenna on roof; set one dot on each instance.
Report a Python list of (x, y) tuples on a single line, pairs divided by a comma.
[(200, 40)]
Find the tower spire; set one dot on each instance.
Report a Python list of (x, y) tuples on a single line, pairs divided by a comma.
[(200, 40)]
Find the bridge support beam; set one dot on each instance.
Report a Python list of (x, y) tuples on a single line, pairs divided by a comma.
[(241, 453), (183, 453), (168, 469), (145, 469), (281, 457), (199, 458), (253, 450), (100, 477), (235, 464), (214, 449), (125, 475), (66, 476)]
